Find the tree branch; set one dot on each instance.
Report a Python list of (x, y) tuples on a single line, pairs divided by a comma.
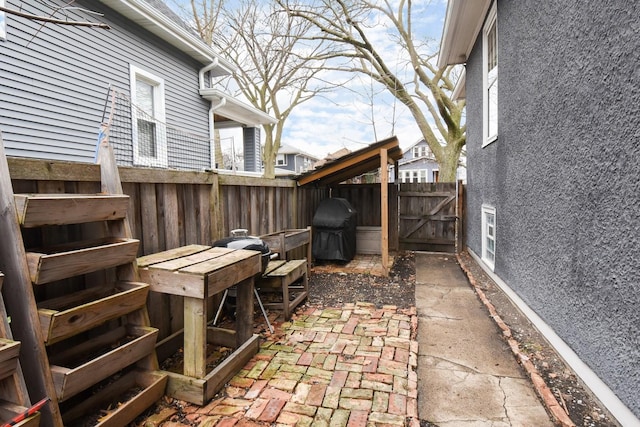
[(54, 20)]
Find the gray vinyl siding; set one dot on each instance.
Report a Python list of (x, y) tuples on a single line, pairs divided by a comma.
[(564, 174), (54, 82)]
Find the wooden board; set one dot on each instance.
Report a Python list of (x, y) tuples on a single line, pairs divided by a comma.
[(9, 410), (70, 381), (198, 274), (71, 314), (153, 384), (36, 210), (63, 261), (9, 351), (170, 254), (200, 391)]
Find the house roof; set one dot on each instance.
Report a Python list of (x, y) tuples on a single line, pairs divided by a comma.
[(231, 113), (461, 27), (288, 149), (156, 17), (353, 164)]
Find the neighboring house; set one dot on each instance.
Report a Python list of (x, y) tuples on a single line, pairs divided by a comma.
[(553, 171), (416, 165), (149, 76), (289, 159)]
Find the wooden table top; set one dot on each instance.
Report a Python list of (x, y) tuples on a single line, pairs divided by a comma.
[(198, 271)]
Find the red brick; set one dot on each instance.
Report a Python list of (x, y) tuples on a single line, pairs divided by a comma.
[(397, 404), (227, 422), (255, 389), (370, 364), (243, 422), (379, 378), (274, 393), (339, 378), (316, 395), (305, 359), (358, 419), (387, 353), (350, 326), (271, 411), (401, 355), (256, 409)]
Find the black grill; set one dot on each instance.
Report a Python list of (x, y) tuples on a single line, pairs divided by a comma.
[(334, 233)]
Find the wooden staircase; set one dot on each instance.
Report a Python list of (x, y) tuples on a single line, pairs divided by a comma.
[(78, 303)]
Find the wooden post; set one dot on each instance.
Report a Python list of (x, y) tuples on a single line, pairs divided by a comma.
[(384, 210), (216, 219), (21, 304)]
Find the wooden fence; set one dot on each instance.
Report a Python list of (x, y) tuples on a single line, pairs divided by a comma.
[(169, 208)]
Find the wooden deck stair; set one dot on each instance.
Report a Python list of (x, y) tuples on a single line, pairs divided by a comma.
[(80, 304)]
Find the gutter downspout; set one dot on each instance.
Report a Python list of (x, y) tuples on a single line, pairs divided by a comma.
[(212, 136), (209, 67), (212, 109)]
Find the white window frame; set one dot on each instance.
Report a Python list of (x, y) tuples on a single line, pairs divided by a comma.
[(488, 234), (160, 160), (434, 175), (3, 23), (282, 157), (490, 133)]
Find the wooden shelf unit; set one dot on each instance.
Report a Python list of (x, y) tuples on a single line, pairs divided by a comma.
[(82, 307), (14, 398)]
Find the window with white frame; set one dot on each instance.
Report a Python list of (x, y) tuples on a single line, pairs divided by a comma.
[(435, 175), (147, 119), (490, 73), (3, 23), (489, 235), (281, 160), (420, 151)]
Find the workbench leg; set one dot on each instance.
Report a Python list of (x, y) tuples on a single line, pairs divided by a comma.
[(195, 337), (244, 311)]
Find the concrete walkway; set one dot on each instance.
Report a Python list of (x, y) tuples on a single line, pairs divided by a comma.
[(467, 374)]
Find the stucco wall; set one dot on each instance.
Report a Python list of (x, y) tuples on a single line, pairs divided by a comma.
[(564, 175)]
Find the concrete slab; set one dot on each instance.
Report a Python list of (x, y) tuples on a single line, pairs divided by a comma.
[(467, 373)]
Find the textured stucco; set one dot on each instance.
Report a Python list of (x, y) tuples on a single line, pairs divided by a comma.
[(564, 175)]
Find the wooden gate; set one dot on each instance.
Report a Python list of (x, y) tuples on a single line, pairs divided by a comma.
[(428, 214)]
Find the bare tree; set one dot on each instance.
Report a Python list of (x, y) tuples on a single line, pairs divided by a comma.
[(347, 25), (277, 67)]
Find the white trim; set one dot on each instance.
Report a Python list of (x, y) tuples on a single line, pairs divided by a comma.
[(284, 158), (152, 19), (491, 21), (488, 210), (463, 23), (604, 394), (158, 118), (3, 23)]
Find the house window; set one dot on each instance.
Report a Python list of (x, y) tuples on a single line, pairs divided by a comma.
[(3, 23), (489, 235), (147, 117), (490, 72), (281, 160), (420, 151), (423, 176), (435, 175)]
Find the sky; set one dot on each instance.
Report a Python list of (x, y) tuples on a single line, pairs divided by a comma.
[(343, 118)]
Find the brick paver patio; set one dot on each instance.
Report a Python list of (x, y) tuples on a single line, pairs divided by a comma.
[(353, 366)]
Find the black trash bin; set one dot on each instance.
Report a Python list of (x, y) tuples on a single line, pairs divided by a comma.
[(334, 231)]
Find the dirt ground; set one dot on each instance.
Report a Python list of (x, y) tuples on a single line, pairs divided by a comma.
[(332, 290)]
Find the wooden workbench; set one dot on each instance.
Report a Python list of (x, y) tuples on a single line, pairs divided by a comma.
[(198, 272)]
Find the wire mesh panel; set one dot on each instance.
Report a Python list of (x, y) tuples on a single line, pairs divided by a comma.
[(139, 139)]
